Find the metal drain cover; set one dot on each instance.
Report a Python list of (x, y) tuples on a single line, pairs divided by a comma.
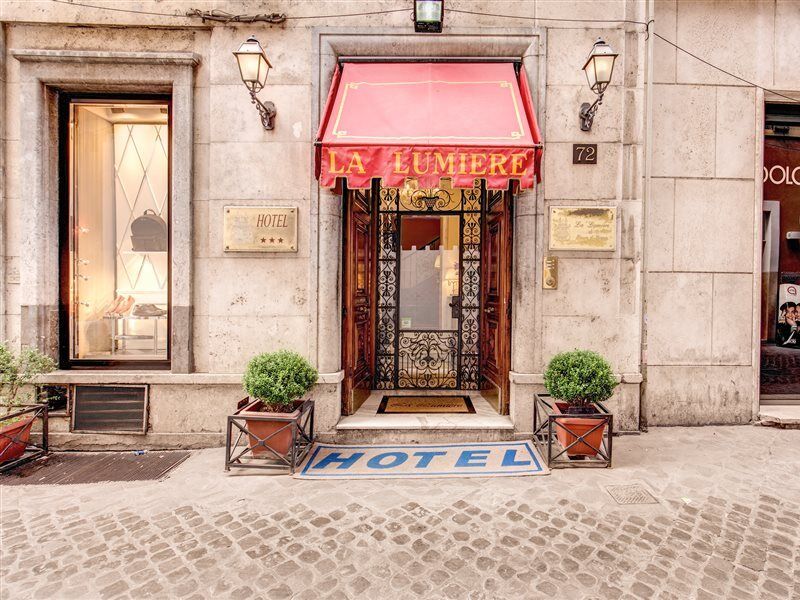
[(631, 494), (62, 468)]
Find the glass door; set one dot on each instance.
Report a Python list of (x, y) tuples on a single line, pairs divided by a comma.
[(430, 301), (428, 288)]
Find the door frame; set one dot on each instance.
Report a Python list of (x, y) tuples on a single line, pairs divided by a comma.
[(505, 297), (351, 398), (506, 278)]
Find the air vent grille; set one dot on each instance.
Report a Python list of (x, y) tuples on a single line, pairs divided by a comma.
[(110, 408)]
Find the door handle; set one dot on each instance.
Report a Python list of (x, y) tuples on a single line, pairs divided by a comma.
[(490, 310)]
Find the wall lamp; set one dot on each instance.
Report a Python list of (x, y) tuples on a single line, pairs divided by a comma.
[(254, 67), (428, 16), (598, 68)]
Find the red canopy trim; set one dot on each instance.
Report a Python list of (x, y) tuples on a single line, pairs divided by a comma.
[(428, 121)]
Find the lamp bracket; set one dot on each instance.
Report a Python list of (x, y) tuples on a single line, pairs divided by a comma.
[(587, 113), (266, 110)]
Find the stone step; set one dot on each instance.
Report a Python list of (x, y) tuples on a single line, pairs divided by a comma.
[(420, 435), (786, 416)]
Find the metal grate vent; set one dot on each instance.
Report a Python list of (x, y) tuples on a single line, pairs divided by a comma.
[(67, 468), (631, 494), (110, 408)]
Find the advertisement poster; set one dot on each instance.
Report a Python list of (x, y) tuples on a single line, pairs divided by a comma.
[(787, 334)]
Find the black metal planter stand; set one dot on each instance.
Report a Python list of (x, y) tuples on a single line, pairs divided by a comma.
[(32, 450), (547, 421), (245, 442)]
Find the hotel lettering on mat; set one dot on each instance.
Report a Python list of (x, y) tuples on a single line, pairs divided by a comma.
[(490, 458)]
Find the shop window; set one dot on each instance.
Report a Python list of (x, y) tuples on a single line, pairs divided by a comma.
[(115, 242)]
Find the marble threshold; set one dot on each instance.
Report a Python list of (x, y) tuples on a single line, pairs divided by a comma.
[(367, 417)]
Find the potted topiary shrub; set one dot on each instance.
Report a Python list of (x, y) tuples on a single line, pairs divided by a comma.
[(578, 381), (17, 371), (275, 382)]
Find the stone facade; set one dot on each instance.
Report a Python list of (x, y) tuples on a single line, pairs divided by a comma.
[(674, 307)]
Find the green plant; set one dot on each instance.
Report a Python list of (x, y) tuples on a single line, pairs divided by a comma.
[(278, 379), (18, 371), (580, 378)]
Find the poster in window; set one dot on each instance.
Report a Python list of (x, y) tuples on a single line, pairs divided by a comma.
[(787, 334)]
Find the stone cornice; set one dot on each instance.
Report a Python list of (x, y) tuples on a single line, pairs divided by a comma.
[(184, 59)]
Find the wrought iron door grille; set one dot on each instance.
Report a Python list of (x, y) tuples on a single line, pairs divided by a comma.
[(428, 359)]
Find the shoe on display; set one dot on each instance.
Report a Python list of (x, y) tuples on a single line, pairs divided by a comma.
[(148, 310), (113, 307), (126, 305)]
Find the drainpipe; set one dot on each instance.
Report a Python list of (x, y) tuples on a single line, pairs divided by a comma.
[(648, 171)]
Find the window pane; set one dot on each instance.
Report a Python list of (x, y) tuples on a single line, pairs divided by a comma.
[(119, 188), (429, 272)]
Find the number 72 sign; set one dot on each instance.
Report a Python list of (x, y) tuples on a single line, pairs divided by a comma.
[(584, 154)]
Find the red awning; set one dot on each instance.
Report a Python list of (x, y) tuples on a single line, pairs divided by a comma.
[(428, 120)]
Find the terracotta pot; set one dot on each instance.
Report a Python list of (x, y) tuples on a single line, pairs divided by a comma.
[(580, 426), (14, 439), (281, 443)]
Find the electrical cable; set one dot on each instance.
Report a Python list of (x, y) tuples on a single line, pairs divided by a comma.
[(524, 18), (221, 16), (123, 10), (276, 18), (713, 66), (363, 14)]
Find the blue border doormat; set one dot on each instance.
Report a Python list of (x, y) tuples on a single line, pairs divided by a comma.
[(481, 459)]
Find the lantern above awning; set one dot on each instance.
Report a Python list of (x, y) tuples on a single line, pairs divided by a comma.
[(428, 121)]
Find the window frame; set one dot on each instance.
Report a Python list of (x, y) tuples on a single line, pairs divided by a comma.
[(65, 102)]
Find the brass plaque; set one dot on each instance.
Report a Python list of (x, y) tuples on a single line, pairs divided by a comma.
[(550, 273), (590, 228), (260, 229)]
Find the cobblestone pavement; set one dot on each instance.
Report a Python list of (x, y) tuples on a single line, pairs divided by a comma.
[(726, 525)]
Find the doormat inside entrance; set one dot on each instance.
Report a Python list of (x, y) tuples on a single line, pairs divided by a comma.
[(417, 461), (426, 404), (95, 467)]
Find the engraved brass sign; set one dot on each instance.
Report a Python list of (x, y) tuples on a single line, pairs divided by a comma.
[(550, 273), (259, 229), (590, 228)]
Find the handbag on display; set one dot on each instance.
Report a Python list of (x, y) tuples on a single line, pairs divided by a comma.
[(149, 233)]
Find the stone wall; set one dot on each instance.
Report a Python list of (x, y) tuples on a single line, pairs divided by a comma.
[(704, 212), (691, 280)]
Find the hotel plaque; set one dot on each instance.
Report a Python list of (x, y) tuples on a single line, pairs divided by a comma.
[(589, 228), (259, 229)]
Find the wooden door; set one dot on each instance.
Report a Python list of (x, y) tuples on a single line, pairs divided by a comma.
[(496, 296), (358, 300)]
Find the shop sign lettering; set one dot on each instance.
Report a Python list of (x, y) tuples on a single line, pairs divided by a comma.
[(360, 164), (259, 229), (415, 164), (782, 175)]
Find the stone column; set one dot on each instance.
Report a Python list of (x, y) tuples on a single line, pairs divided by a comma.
[(3, 217), (329, 302)]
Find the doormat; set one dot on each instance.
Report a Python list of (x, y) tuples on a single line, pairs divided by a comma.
[(67, 468), (417, 461), (396, 405)]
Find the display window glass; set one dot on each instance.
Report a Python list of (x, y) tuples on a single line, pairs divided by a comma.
[(118, 259)]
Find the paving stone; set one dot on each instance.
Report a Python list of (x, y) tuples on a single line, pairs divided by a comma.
[(200, 534)]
